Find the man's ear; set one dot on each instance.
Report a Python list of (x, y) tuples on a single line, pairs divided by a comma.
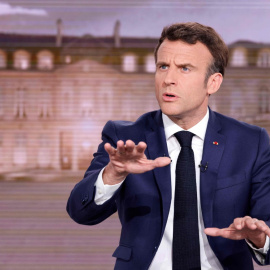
[(214, 83)]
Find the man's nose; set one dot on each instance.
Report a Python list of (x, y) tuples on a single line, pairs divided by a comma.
[(171, 77)]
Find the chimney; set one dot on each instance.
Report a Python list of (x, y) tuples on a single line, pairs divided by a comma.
[(59, 33), (117, 42)]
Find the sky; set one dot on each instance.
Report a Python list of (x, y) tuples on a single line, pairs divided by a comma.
[(233, 20)]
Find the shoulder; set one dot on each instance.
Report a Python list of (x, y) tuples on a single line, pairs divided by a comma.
[(227, 121), (142, 120), (231, 126), (128, 129)]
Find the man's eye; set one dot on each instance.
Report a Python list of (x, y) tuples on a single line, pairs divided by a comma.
[(163, 67), (185, 69)]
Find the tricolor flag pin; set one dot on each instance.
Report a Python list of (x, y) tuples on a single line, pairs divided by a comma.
[(215, 143)]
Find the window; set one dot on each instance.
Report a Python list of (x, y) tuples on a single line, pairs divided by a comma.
[(3, 59), (66, 98), (67, 103), (129, 63), (86, 67), (85, 149), (20, 110), (44, 152), (264, 58), (45, 60), (21, 60), (67, 59), (239, 57), (105, 88), (45, 104), (237, 103), (86, 109), (127, 102), (20, 150), (150, 65), (264, 100)]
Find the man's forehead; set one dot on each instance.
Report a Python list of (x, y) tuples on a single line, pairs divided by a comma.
[(179, 49), (167, 53), (167, 50)]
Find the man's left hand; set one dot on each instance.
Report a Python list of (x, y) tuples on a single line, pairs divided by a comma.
[(248, 228)]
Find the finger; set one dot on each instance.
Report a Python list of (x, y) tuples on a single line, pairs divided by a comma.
[(109, 149), (267, 231), (130, 145), (213, 231), (225, 233), (238, 223), (262, 226), (141, 147), (251, 223), (161, 162), (121, 147)]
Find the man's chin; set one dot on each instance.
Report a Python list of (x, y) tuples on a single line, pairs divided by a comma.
[(171, 113)]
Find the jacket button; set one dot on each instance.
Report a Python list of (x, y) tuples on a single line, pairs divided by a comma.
[(84, 200)]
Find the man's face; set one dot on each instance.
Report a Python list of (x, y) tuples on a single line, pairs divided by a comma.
[(180, 81)]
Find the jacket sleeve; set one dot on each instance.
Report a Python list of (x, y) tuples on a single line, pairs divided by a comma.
[(260, 193), (81, 206)]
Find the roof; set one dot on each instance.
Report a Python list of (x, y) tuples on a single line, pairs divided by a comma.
[(8, 40), (249, 44), (86, 41)]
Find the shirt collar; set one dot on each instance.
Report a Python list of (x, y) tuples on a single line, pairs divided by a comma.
[(171, 128)]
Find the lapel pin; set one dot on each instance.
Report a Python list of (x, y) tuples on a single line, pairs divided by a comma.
[(215, 143)]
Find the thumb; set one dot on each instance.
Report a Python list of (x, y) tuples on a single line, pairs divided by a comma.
[(162, 162), (213, 231)]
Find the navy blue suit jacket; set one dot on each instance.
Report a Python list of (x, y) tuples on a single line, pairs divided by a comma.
[(236, 184)]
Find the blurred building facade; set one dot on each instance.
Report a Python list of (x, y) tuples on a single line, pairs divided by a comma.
[(57, 92)]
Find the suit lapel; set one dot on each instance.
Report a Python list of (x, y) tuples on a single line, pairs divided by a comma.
[(214, 144), (157, 147)]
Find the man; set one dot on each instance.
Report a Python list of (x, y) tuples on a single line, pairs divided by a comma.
[(137, 168)]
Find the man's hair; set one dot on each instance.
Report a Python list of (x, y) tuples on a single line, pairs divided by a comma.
[(193, 32)]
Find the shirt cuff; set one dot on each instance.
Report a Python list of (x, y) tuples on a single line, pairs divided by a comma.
[(104, 192), (260, 252)]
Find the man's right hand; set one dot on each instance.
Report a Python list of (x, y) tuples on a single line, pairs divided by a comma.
[(129, 158)]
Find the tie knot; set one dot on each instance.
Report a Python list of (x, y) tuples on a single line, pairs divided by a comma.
[(184, 138)]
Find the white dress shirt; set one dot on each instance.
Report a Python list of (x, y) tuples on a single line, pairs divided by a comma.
[(163, 257)]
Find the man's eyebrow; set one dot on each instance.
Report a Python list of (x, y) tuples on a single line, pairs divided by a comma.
[(185, 65), (161, 63)]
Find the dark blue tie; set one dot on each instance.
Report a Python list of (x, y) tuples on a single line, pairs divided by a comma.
[(186, 246)]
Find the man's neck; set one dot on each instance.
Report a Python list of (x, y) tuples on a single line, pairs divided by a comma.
[(188, 122)]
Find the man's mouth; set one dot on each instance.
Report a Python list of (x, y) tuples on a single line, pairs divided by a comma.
[(169, 97)]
